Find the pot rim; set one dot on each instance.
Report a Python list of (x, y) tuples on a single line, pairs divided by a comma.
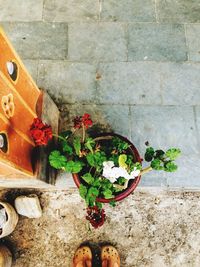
[(133, 183)]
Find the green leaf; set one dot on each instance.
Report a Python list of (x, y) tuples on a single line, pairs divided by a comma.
[(65, 134), (88, 178), (93, 191), (159, 154), (108, 194), (114, 158), (73, 166), (173, 153), (149, 154), (170, 167), (77, 145), (156, 164), (91, 196), (66, 147), (96, 159), (89, 144), (83, 191), (138, 166), (122, 161), (96, 183), (57, 160), (119, 144), (99, 205), (112, 203), (121, 180), (105, 183)]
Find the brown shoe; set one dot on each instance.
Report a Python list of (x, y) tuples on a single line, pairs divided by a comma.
[(82, 257), (110, 257)]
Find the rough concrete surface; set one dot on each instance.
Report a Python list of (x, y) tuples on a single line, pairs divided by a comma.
[(150, 228)]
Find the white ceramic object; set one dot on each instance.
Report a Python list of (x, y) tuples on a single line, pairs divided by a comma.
[(12, 219), (5, 257), (28, 206)]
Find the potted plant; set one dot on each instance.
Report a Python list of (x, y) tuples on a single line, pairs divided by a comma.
[(106, 167)]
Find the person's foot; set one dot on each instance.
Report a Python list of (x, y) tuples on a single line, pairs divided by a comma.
[(82, 257), (110, 257)]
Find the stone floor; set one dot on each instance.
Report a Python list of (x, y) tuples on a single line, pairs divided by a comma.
[(134, 65), (157, 229)]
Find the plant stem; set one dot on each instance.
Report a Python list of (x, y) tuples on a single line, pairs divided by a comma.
[(108, 137), (83, 139), (60, 137), (146, 170)]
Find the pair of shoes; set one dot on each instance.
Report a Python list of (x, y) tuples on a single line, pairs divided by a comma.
[(109, 257)]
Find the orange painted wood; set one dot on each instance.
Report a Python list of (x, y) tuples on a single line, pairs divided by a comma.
[(19, 154), (23, 115), (24, 83), (20, 99)]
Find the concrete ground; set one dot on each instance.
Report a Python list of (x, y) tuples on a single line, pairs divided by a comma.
[(134, 65), (150, 229)]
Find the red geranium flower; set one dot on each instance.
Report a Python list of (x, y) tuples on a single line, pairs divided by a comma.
[(77, 122), (96, 216), (40, 132), (86, 120)]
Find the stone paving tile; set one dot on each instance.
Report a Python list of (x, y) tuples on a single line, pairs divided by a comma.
[(129, 83), (180, 83), (193, 40), (178, 10), (97, 42), (159, 42), (197, 118), (105, 117), (21, 10), (164, 127), (129, 10), (154, 179), (68, 82), (188, 173), (38, 40), (71, 10), (32, 67)]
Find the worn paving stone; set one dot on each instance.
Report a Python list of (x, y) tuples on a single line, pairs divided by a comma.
[(154, 179), (68, 82), (21, 10), (188, 173), (129, 10), (164, 127), (159, 42), (97, 42), (193, 34), (38, 40), (129, 83), (180, 83), (197, 118), (71, 10), (105, 118), (32, 67), (183, 11)]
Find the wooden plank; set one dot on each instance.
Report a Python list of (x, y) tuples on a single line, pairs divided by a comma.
[(24, 83)]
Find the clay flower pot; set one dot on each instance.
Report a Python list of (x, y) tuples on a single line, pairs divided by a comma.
[(11, 220), (132, 183)]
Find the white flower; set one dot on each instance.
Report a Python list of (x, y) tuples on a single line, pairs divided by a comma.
[(113, 173), (135, 173)]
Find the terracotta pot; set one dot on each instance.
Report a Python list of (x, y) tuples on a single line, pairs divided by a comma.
[(132, 183), (12, 220), (5, 257)]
